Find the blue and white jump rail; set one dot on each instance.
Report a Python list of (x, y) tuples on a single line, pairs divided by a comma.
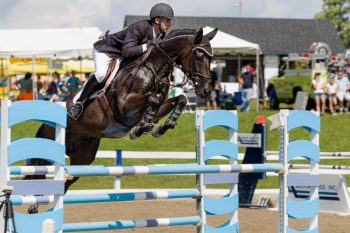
[(27, 148), (51, 191)]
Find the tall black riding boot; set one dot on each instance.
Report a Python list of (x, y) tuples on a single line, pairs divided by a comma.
[(76, 109)]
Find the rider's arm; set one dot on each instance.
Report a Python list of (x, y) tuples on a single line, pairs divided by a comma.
[(132, 43)]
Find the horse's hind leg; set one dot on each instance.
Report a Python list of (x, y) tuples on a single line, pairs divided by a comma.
[(82, 151), (175, 106), (44, 131)]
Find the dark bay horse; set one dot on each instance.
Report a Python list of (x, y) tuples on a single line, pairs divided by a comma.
[(137, 97)]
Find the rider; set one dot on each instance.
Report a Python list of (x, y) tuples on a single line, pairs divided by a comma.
[(130, 42)]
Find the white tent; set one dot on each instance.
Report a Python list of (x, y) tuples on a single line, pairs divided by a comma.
[(63, 43), (51, 43), (226, 44)]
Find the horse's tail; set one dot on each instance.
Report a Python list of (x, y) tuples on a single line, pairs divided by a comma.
[(45, 131)]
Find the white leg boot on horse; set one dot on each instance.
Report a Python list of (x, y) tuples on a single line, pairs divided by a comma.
[(89, 88)]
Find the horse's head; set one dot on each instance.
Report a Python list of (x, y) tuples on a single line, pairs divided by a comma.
[(197, 63), (192, 51)]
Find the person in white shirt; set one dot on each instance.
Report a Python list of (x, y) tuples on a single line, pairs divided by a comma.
[(343, 94), (332, 95), (318, 85)]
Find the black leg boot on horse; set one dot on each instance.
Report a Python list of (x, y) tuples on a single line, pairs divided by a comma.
[(146, 125), (89, 88)]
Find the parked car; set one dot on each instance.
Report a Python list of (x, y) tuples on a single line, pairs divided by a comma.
[(296, 75)]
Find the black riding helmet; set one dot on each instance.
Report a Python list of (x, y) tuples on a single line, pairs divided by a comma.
[(161, 10)]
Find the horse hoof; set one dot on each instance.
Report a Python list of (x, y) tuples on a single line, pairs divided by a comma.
[(33, 209), (132, 133), (155, 131)]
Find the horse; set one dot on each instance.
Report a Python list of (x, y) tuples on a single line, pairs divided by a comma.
[(136, 99)]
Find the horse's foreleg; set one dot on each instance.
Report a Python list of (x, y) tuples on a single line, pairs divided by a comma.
[(146, 124), (175, 106)]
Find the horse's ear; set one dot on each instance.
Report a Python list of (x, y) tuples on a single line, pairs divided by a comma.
[(211, 34), (199, 36)]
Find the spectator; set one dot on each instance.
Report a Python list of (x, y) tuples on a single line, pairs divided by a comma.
[(66, 76), (343, 94), (73, 83), (232, 77), (40, 87), (218, 69), (347, 68), (246, 79), (40, 84), (52, 90), (318, 85), (25, 86), (213, 95), (251, 68), (332, 97)]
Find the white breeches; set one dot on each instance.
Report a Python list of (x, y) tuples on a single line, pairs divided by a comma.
[(102, 61)]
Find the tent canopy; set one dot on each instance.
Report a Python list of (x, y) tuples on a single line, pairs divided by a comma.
[(226, 44), (59, 42)]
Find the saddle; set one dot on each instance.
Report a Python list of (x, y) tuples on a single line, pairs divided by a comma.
[(111, 73), (100, 94)]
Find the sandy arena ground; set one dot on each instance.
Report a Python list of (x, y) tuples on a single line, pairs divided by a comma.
[(251, 220)]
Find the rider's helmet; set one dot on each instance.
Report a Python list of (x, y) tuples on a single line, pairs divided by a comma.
[(161, 10)]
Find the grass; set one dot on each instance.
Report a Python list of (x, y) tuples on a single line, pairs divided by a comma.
[(334, 137)]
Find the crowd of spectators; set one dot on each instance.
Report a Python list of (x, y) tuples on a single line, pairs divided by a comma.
[(241, 100), (55, 89), (337, 91)]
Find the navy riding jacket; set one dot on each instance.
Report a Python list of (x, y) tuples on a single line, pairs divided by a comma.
[(128, 42)]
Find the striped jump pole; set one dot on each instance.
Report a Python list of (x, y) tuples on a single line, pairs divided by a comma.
[(108, 197), (128, 224), (169, 169)]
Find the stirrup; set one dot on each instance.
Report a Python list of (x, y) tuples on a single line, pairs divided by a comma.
[(75, 110)]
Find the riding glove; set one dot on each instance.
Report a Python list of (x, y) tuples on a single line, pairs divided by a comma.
[(154, 41)]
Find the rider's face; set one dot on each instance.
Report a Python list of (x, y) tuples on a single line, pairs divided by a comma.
[(165, 24)]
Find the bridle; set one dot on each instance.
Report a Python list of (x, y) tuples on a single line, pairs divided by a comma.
[(189, 74), (194, 76)]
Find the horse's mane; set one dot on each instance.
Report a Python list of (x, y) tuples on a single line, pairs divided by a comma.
[(129, 64), (180, 32), (173, 33)]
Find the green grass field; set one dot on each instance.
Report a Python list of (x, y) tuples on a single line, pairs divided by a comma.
[(334, 137)]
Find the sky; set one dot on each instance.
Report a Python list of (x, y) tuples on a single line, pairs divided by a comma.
[(109, 14)]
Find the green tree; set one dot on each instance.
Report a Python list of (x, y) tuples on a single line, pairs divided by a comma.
[(338, 11)]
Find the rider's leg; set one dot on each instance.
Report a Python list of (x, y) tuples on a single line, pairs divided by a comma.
[(76, 109), (102, 61)]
